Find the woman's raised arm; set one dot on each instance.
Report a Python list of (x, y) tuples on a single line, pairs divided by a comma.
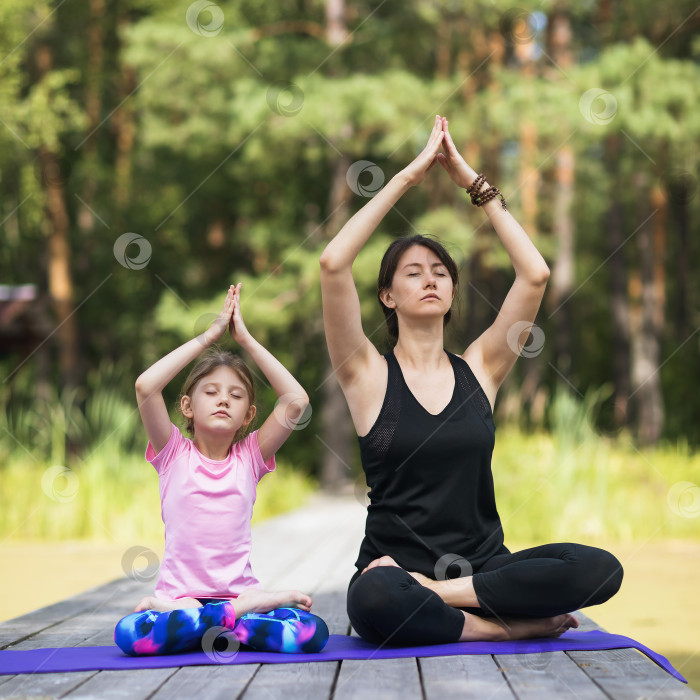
[(350, 350), (494, 349)]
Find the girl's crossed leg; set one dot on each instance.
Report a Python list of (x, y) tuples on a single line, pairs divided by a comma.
[(266, 624)]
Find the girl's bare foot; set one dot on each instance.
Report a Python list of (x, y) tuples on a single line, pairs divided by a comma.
[(151, 603), (493, 629), (255, 600)]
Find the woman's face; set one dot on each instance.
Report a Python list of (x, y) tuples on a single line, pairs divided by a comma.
[(219, 402), (421, 287)]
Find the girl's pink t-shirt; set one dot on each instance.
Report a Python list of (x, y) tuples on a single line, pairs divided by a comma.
[(206, 506)]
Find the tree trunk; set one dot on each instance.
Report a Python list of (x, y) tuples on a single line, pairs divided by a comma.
[(336, 423), (125, 128), (645, 333), (530, 181), (93, 108), (681, 193), (618, 290), (60, 280), (562, 282)]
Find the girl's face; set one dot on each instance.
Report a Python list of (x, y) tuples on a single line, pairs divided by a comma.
[(219, 402), (421, 287)]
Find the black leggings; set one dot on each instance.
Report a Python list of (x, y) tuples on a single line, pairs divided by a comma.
[(387, 604)]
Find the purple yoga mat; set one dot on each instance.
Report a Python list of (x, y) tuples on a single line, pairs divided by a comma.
[(338, 647)]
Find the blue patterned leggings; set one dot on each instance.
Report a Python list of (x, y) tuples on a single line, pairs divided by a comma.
[(287, 630)]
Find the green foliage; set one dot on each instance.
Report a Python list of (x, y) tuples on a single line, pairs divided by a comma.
[(226, 186), (576, 485)]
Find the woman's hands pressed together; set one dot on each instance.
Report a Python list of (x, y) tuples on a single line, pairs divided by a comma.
[(451, 160), (462, 175), (415, 172)]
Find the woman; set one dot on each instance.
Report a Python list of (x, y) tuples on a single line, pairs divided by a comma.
[(425, 426)]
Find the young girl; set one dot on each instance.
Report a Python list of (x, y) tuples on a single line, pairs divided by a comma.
[(207, 489)]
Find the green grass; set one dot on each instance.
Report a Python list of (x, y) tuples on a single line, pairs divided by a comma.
[(111, 496), (573, 484), (566, 484)]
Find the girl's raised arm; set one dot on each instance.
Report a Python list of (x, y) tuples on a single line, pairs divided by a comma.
[(350, 350), (151, 383), (293, 400)]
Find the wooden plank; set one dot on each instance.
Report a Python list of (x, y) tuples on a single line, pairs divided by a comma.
[(547, 675), (24, 626), (387, 679), (313, 680), (467, 677), (305, 548), (131, 685), (94, 615), (627, 674), (43, 685), (220, 682), (99, 614)]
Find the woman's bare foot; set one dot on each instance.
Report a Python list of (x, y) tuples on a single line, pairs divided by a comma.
[(498, 630), (255, 600), (151, 603)]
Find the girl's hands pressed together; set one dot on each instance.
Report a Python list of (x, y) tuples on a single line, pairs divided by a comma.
[(236, 326), (462, 175), (221, 323), (415, 171)]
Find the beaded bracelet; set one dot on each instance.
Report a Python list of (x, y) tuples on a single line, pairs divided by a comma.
[(480, 198), (476, 185)]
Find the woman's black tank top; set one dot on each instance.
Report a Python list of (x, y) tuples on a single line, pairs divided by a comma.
[(431, 488)]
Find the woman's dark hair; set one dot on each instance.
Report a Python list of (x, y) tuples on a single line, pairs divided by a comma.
[(388, 267), (209, 361)]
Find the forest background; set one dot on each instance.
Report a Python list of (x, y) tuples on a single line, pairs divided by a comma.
[(153, 152)]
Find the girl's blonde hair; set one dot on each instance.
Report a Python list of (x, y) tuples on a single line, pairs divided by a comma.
[(208, 362)]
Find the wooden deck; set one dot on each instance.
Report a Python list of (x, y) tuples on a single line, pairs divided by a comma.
[(313, 550)]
